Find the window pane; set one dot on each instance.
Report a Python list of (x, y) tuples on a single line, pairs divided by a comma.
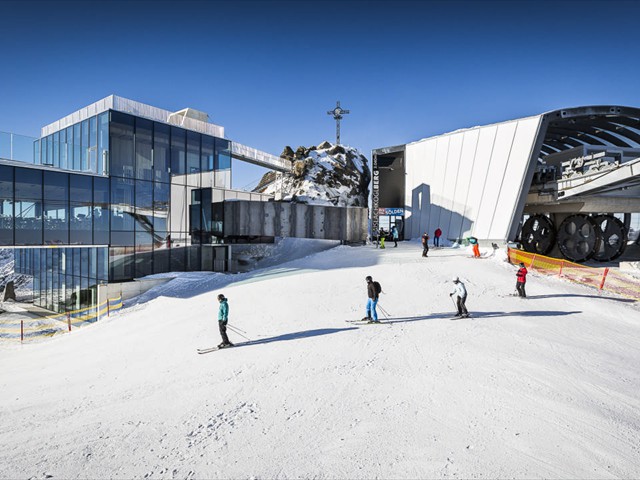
[(80, 206), (85, 145), (206, 161), (63, 149), (93, 144), (100, 211), (6, 205), (69, 164), (121, 264), (177, 153), (56, 149), (161, 206), (121, 155), (161, 152), (144, 165), (28, 207), (56, 208), (144, 206), (144, 254), (193, 159), (103, 143), (122, 201), (77, 161)]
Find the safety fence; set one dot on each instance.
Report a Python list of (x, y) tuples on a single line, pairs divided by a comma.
[(50, 325), (604, 279)]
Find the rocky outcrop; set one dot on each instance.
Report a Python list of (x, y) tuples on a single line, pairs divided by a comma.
[(324, 175)]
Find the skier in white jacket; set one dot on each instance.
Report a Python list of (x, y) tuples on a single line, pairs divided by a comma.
[(461, 293)]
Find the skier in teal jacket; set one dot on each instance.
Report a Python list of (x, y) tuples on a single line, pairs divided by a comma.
[(223, 318)]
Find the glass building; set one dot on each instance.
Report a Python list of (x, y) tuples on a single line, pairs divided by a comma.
[(117, 191)]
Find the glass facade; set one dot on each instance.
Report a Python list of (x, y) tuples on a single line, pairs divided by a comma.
[(82, 147), (132, 203), (64, 279)]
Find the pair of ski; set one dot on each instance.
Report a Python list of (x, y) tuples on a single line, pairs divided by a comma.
[(364, 322), (460, 317), (211, 349)]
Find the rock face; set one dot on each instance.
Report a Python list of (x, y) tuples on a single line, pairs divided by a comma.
[(324, 175)]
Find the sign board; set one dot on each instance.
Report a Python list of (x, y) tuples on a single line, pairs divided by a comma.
[(391, 211)]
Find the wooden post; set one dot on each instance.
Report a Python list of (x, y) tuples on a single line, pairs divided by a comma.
[(604, 277), (69, 320), (108, 307), (21, 330), (533, 260)]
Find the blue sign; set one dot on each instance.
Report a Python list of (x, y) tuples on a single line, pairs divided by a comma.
[(391, 211)]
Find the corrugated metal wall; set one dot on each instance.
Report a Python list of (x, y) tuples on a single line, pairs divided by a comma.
[(285, 219)]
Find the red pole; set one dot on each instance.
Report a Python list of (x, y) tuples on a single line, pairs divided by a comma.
[(21, 330), (533, 260), (69, 320), (108, 309), (604, 277), (561, 266)]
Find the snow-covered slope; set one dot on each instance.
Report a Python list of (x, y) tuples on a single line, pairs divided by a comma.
[(324, 175), (542, 387)]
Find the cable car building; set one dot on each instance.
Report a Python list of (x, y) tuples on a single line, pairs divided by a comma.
[(563, 183)]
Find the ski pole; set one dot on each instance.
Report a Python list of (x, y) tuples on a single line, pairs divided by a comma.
[(381, 307), (235, 331), (454, 302), (239, 329)]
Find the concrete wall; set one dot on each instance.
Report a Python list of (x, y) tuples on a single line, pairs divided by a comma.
[(470, 182), (285, 219)]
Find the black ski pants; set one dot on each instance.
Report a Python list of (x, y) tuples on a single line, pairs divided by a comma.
[(462, 309), (520, 289), (425, 250), (223, 331)]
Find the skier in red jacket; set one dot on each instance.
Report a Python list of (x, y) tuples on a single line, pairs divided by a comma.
[(522, 279)]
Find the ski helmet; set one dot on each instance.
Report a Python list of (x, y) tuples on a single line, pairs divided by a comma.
[(369, 279), (456, 280)]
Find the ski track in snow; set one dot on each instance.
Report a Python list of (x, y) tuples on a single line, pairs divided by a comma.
[(542, 387)]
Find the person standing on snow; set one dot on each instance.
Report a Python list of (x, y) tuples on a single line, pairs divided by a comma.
[(436, 237), (461, 293), (473, 241), (223, 318), (382, 236), (521, 280), (394, 235), (425, 244), (372, 301)]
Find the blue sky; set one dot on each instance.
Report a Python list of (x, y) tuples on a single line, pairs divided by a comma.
[(269, 71)]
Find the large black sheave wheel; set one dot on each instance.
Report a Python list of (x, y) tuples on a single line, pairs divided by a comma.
[(578, 238), (614, 238), (538, 234)]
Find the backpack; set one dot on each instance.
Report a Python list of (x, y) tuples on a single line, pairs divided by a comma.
[(377, 288)]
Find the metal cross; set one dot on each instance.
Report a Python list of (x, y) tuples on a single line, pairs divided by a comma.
[(337, 116)]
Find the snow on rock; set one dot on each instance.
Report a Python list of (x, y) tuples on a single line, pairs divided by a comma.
[(543, 387), (324, 175)]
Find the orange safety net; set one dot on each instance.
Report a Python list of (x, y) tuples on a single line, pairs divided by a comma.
[(600, 278)]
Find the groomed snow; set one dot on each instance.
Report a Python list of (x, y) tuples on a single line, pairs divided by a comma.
[(542, 387)]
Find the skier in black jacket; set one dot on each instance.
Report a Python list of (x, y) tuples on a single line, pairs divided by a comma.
[(372, 301)]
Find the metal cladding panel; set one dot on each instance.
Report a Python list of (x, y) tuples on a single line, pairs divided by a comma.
[(458, 224), (452, 171), (497, 164), (479, 175), (469, 181), (284, 219), (512, 186)]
